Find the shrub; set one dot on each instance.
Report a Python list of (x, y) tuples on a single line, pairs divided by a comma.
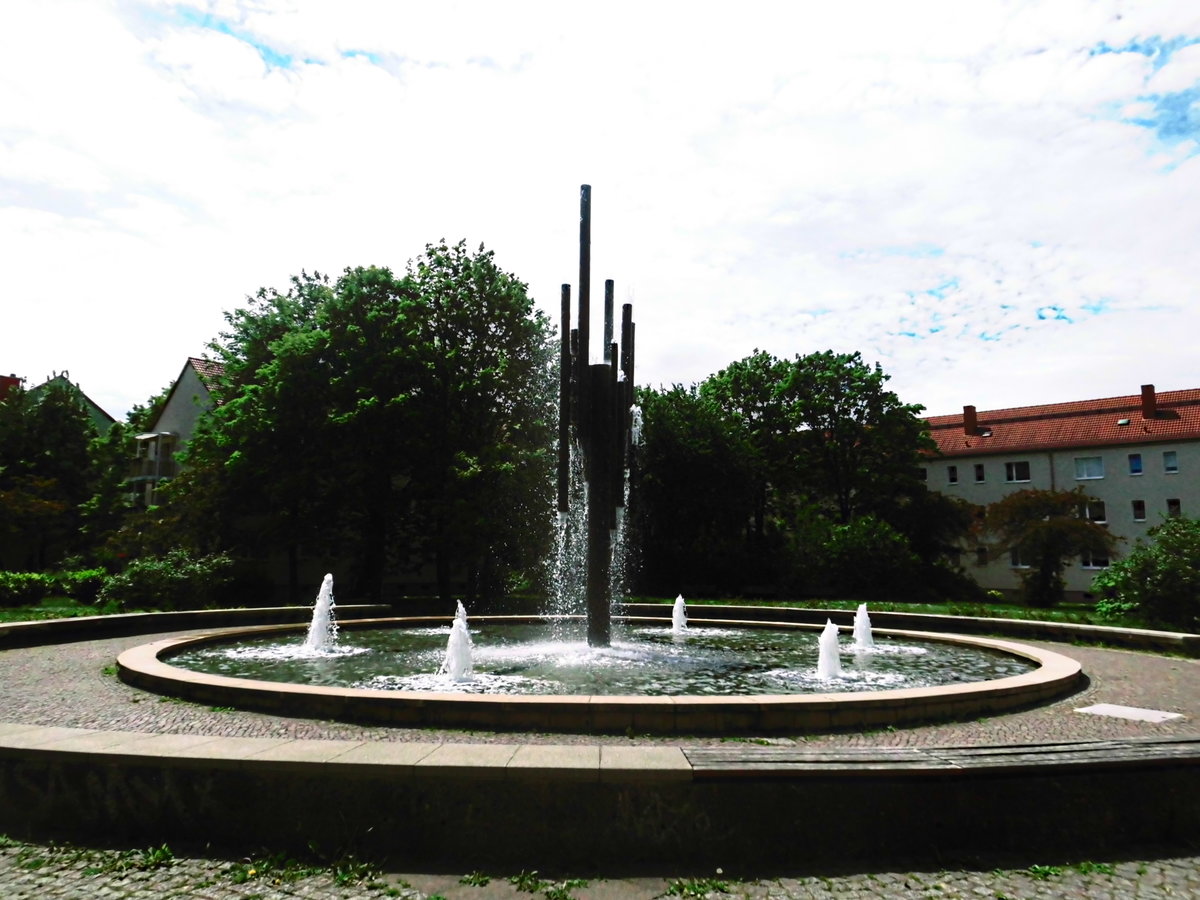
[(177, 580), (22, 588), (1157, 581)]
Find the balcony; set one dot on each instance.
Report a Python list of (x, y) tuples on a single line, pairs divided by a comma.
[(153, 469)]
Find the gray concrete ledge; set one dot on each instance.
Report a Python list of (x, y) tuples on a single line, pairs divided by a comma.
[(82, 628)]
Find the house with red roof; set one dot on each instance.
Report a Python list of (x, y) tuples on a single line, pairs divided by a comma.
[(1138, 456), (190, 397)]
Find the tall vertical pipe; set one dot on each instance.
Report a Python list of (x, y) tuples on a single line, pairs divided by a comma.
[(608, 322), (599, 462), (564, 403), (585, 272)]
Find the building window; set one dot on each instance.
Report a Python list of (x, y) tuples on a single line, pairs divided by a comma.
[(981, 556), (1093, 560), (923, 473), (1135, 464), (952, 474), (1174, 507), (1139, 510), (1088, 467), (1016, 471), (1170, 461), (979, 476), (1016, 559), (1093, 511)]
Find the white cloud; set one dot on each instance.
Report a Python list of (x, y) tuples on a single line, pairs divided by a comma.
[(790, 178)]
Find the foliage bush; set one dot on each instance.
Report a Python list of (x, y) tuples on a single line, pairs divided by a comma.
[(1159, 581), (176, 580), (31, 588)]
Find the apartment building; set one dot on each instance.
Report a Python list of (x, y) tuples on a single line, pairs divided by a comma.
[(1137, 455)]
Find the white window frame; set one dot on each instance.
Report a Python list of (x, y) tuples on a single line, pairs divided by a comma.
[(1087, 507), (1135, 459), (1170, 462), (1015, 561), (1134, 506), (952, 474), (980, 473), (1090, 561), (1085, 461)]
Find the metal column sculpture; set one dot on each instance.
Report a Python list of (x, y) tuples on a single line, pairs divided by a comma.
[(594, 415)]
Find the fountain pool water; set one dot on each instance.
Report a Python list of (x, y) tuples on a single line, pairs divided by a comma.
[(642, 659)]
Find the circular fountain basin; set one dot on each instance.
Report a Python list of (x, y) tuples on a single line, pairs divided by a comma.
[(786, 699)]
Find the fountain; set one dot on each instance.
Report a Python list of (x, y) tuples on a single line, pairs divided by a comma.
[(457, 663), (829, 664), (862, 629), (679, 616), (702, 682), (322, 631)]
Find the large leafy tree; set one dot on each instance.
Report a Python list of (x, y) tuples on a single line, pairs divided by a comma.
[(389, 421), (856, 446), (46, 474), (697, 489), (1046, 528)]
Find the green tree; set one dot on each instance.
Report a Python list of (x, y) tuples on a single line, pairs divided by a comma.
[(46, 474), (856, 446), (1046, 528), (697, 489), (1159, 581), (394, 421)]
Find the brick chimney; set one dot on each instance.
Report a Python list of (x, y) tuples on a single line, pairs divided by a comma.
[(970, 421), (1149, 402)]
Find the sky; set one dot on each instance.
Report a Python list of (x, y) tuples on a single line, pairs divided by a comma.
[(997, 202)]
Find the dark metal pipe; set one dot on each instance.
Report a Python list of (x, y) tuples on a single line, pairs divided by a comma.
[(609, 356), (599, 461), (564, 403), (585, 272)]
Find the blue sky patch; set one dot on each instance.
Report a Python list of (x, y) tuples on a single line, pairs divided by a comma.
[(269, 55), (1156, 49), (1053, 313)]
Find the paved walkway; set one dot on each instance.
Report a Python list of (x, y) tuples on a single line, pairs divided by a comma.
[(75, 685)]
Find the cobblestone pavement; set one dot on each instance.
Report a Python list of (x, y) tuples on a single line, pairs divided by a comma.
[(70, 873), (75, 685)]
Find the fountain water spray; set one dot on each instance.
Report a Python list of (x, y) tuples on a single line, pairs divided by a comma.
[(829, 663), (322, 631), (862, 629), (679, 616), (457, 663)]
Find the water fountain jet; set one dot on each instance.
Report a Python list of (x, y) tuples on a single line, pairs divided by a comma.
[(322, 631)]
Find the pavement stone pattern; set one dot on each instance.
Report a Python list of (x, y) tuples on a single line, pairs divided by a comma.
[(31, 872), (74, 684)]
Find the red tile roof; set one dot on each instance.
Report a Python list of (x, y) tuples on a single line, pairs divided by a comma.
[(208, 371), (1081, 423)]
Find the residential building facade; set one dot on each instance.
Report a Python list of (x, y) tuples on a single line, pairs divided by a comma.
[(189, 398), (1138, 456)]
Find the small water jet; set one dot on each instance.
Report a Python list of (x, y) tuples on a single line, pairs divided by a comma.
[(829, 663), (322, 631), (679, 616), (458, 661), (863, 639)]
